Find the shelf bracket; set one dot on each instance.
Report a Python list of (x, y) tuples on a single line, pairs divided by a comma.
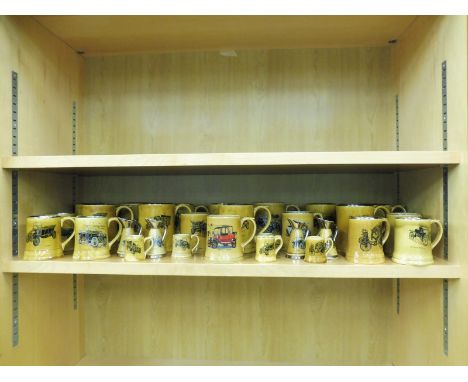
[(74, 181), (14, 207), (397, 144), (445, 201)]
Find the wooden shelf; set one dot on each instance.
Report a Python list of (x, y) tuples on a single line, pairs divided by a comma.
[(248, 267), (265, 162)]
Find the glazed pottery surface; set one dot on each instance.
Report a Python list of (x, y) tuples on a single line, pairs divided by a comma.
[(181, 246), (317, 249), (389, 245), (43, 238), (195, 224), (298, 217), (267, 247), (158, 232), (296, 242), (135, 247), (276, 211)]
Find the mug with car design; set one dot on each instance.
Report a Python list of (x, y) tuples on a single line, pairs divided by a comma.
[(195, 224), (389, 244), (181, 247), (267, 247), (296, 242), (135, 247), (91, 235), (366, 238), (43, 238), (163, 212), (157, 232), (343, 214), (413, 240), (129, 227), (247, 210), (298, 217), (317, 249), (225, 242), (276, 211)]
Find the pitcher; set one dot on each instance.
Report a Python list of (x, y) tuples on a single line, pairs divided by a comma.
[(129, 227), (296, 243), (157, 231), (328, 229)]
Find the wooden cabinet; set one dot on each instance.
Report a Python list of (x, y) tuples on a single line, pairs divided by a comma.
[(362, 109)]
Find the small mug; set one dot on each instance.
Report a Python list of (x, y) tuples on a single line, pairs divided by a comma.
[(317, 249), (195, 224), (135, 247), (267, 247), (43, 238), (181, 245)]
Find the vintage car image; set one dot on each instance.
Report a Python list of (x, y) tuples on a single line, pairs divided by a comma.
[(198, 227), (93, 238), (39, 233), (267, 248), (132, 247), (182, 244), (421, 234), (223, 236), (164, 221)]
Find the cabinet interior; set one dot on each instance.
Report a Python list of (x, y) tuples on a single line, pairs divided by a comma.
[(266, 98)]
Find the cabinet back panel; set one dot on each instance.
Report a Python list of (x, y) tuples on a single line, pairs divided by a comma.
[(268, 100), (294, 321)]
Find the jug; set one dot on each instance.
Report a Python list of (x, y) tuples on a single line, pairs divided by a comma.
[(157, 231), (296, 243), (129, 227), (328, 229)]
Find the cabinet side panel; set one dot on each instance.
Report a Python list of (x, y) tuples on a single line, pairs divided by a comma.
[(237, 320), (49, 75), (418, 330), (268, 100)]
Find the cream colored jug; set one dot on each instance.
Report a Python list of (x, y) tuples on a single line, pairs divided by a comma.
[(296, 243), (129, 227), (157, 231), (327, 230)]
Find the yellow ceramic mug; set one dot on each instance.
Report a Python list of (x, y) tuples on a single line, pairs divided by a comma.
[(413, 241), (246, 210), (195, 224), (366, 237), (389, 245), (382, 210), (299, 217), (267, 247), (135, 247), (276, 211), (317, 249), (91, 235), (343, 213), (181, 245), (225, 242), (43, 238)]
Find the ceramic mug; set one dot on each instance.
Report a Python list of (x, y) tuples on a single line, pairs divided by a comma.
[(181, 245), (195, 224), (413, 240), (246, 210), (91, 235), (343, 214), (276, 211), (157, 232), (43, 238), (389, 244), (366, 237), (317, 249), (135, 247), (163, 212), (267, 247), (225, 241), (382, 210), (298, 216), (129, 227)]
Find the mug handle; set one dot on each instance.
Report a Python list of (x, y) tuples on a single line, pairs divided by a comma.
[(182, 205), (387, 230), (328, 241), (269, 217), (195, 247), (117, 236), (278, 239), (252, 220), (151, 245), (292, 206), (439, 233), (164, 234), (398, 208), (132, 217), (201, 207), (381, 208), (64, 219)]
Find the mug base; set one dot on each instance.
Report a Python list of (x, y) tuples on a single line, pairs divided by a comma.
[(181, 255), (367, 259), (90, 255), (42, 254), (223, 258), (316, 259), (294, 256), (412, 260), (265, 259)]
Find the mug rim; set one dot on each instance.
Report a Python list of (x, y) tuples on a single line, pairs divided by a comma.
[(409, 214), (354, 205), (43, 216), (297, 212), (158, 204), (92, 217), (326, 204), (134, 236), (365, 218), (265, 234), (226, 216), (414, 218), (315, 237), (96, 204), (195, 213)]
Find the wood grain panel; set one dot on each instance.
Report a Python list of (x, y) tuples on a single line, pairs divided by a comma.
[(238, 320), (49, 78), (117, 34), (284, 100), (426, 44)]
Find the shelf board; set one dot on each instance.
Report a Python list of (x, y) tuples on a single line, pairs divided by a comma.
[(100, 35), (248, 267), (225, 163)]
